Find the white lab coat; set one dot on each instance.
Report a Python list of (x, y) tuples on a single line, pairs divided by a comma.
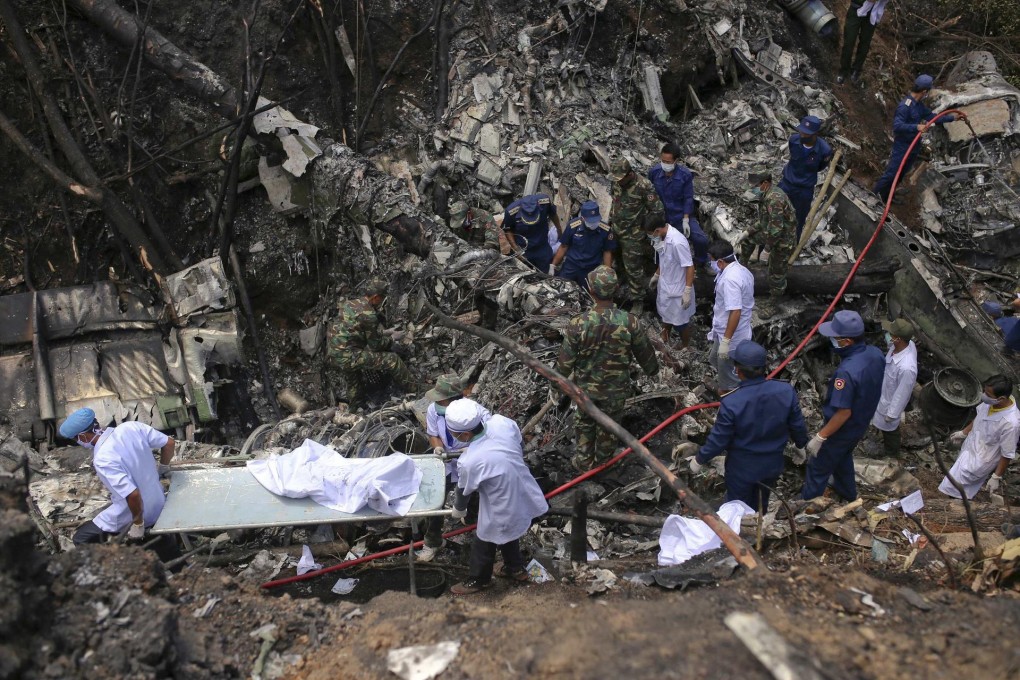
[(674, 260), (508, 496), (992, 437), (897, 386), (734, 289), (124, 462)]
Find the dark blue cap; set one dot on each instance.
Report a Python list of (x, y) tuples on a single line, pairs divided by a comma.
[(844, 324), (750, 354), (529, 209), (590, 211), (809, 125), (923, 82)]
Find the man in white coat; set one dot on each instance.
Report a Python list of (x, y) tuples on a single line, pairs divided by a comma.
[(674, 298), (897, 383), (989, 442), (731, 314), (509, 498)]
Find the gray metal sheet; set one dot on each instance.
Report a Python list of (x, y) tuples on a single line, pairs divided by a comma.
[(231, 498)]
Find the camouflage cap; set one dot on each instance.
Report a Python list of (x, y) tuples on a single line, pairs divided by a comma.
[(759, 174), (620, 169), (458, 210), (603, 282), (448, 386), (376, 286)]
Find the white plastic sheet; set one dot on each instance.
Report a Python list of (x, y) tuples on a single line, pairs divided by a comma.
[(422, 662), (388, 485), (684, 537), (307, 562)]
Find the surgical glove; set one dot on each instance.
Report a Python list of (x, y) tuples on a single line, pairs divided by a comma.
[(439, 451), (552, 270), (136, 532), (164, 471), (815, 445), (994, 482), (888, 419), (458, 514), (695, 466), (685, 299), (799, 456), (687, 227), (653, 282), (957, 437), (724, 348)]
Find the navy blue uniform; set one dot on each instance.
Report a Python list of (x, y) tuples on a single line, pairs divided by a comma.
[(585, 248), (754, 423), (801, 174), (856, 385), (909, 114), (676, 191), (534, 237)]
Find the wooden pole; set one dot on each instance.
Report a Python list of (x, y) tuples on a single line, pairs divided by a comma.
[(810, 226), (825, 187), (738, 547)]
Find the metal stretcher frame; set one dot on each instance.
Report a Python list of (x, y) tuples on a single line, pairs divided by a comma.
[(231, 498)]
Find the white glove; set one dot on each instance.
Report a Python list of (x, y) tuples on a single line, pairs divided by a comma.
[(685, 299), (687, 227), (724, 348), (552, 270), (799, 456), (653, 283), (163, 470), (888, 419), (136, 532), (957, 437), (815, 445), (439, 451), (994, 482), (695, 466), (458, 514)]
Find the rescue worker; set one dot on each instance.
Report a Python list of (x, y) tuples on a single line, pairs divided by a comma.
[(492, 465), (858, 28), (809, 154), (850, 402), (776, 231), (897, 383), (634, 200), (988, 442), (731, 312), (477, 227), (754, 423), (123, 460), (526, 222), (674, 278), (357, 342), (911, 116), (586, 243), (675, 185), (1007, 323), (597, 348)]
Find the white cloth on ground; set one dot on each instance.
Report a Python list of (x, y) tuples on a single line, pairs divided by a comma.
[(897, 386), (734, 289), (508, 495), (387, 485), (992, 437), (685, 537), (124, 462), (674, 260)]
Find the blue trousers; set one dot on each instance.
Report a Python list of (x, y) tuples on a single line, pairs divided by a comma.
[(884, 183), (576, 275), (699, 243), (753, 492), (801, 198), (835, 459), (540, 257)]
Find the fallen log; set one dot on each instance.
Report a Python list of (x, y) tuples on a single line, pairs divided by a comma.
[(820, 279), (738, 547), (614, 517)]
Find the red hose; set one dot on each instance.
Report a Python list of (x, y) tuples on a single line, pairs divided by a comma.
[(670, 420)]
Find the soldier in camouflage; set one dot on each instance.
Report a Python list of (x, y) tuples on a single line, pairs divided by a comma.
[(634, 199), (597, 348), (776, 230), (358, 344), (477, 227)]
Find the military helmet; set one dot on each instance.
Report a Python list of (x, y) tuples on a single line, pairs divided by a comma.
[(603, 282), (620, 169)]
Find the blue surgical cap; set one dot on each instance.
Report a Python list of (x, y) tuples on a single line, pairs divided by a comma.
[(77, 422)]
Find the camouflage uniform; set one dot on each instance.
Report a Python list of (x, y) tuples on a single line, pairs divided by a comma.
[(776, 230), (631, 205), (597, 348), (357, 345), (474, 225)]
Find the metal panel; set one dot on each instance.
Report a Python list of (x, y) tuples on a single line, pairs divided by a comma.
[(231, 498)]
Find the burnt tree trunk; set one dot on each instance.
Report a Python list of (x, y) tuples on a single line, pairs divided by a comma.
[(819, 279)]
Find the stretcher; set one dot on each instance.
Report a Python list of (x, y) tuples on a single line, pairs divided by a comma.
[(219, 499)]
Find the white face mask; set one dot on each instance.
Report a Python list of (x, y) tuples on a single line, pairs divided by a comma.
[(985, 399), (89, 444), (835, 342), (659, 245), (667, 167), (593, 225), (714, 267)]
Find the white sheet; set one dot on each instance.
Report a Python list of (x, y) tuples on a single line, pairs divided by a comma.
[(684, 537), (388, 485)]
